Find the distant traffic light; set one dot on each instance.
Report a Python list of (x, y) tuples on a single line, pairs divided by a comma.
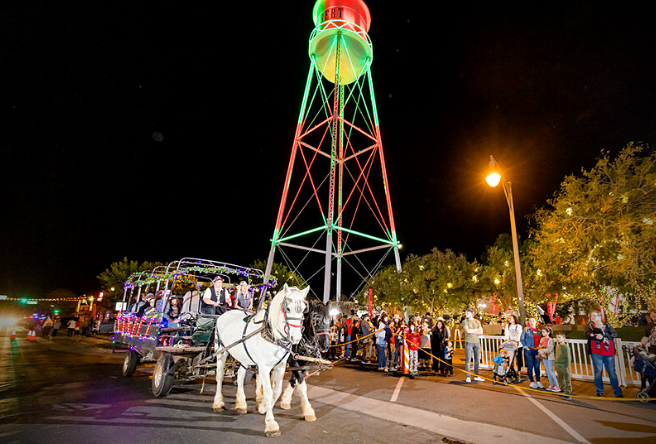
[(100, 296)]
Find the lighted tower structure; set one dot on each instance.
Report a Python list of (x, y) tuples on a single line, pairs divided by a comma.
[(336, 202)]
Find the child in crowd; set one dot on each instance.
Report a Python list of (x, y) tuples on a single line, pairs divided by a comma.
[(563, 361), (546, 353), (389, 338), (413, 340), (424, 357), (341, 337), (334, 333), (356, 333), (448, 358), (381, 343), (401, 329), (501, 365)]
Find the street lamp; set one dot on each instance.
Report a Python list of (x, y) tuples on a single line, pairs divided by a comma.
[(493, 179)]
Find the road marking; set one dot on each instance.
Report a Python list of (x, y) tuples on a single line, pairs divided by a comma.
[(397, 390), (553, 416), (454, 428)]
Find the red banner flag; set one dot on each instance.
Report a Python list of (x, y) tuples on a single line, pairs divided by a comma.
[(371, 302)]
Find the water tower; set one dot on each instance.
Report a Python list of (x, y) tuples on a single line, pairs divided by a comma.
[(335, 208)]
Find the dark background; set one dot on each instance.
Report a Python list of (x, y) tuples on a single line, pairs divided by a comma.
[(157, 131)]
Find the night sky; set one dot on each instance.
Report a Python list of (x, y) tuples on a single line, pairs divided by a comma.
[(158, 131)]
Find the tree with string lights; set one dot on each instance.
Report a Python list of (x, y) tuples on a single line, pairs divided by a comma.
[(597, 238)]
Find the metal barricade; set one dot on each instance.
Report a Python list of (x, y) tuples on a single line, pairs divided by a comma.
[(625, 372), (581, 366)]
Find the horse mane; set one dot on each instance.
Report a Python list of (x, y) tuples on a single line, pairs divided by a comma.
[(276, 310)]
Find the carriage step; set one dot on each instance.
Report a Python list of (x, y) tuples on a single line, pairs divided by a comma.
[(172, 329), (181, 350)]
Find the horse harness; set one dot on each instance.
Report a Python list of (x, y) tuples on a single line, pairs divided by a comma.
[(266, 332)]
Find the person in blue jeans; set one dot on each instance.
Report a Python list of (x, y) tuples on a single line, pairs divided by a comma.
[(381, 344), (530, 340), (601, 347), (472, 330), (349, 331)]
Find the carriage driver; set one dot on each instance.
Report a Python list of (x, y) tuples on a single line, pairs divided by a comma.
[(215, 298)]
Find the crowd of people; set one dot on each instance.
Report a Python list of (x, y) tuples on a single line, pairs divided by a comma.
[(430, 347), (50, 326), (382, 340)]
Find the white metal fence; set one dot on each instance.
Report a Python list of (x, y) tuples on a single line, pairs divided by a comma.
[(581, 362)]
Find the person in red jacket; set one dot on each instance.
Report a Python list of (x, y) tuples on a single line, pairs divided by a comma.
[(413, 340)]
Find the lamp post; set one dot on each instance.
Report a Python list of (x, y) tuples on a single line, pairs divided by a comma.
[(493, 180)]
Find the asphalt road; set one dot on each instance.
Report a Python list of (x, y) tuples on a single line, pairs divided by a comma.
[(71, 391)]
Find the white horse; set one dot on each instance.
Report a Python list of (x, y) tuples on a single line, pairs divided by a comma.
[(268, 350)]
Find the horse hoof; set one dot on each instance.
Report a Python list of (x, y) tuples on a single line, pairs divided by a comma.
[(241, 411), (310, 418), (285, 405), (218, 409), (261, 410), (271, 433)]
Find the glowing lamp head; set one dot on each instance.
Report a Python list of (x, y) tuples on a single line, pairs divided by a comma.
[(493, 179)]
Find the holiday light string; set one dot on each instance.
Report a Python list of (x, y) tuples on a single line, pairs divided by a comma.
[(185, 275), (73, 299), (128, 325)]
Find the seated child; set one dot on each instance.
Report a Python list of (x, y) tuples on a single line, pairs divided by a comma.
[(501, 364)]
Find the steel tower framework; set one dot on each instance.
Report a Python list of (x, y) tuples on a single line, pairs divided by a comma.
[(336, 187)]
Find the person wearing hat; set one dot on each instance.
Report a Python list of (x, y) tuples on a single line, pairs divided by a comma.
[(244, 297), (214, 298)]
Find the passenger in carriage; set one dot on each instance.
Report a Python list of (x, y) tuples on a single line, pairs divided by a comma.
[(191, 304), (138, 303), (216, 298), (172, 311), (149, 307), (244, 297), (162, 296)]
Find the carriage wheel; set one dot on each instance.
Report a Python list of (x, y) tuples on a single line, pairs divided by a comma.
[(163, 375), (643, 396), (130, 363)]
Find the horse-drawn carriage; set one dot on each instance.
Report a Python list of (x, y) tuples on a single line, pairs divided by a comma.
[(289, 329), (183, 349)]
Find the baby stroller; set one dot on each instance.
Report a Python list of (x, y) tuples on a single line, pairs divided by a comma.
[(504, 369), (643, 363)]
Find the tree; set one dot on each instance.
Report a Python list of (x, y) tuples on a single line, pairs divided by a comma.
[(597, 237), (116, 275), (446, 282), (438, 282), (498, 277), (390, 289)]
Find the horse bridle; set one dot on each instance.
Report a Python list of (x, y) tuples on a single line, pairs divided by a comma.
[(310, 345), (316, 317), (297, 321)]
